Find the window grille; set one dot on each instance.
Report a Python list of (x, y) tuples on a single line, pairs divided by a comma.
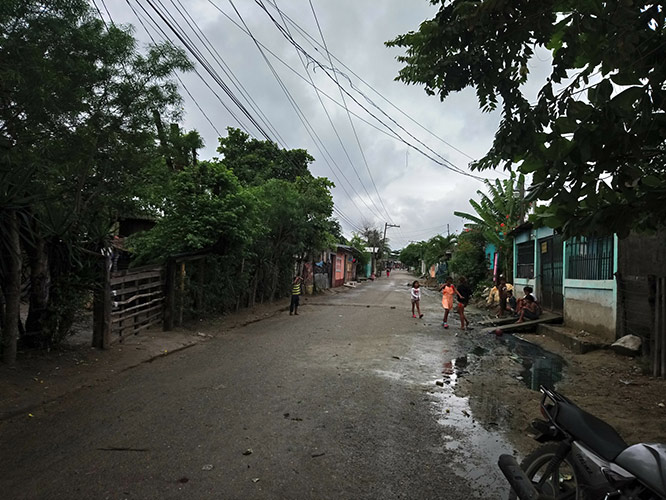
[(525, 260), (590, 258)]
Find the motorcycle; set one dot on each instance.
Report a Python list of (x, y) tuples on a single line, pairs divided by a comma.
[(584, 458)]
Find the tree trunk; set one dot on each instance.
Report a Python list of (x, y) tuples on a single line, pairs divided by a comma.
[(161, 135), (242, 288), (39, 289), (12, 289)]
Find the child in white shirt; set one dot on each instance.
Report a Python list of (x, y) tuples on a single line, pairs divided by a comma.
[(416, 299)]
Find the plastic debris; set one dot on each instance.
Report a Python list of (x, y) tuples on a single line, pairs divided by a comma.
[(207, 467), (248, 451)]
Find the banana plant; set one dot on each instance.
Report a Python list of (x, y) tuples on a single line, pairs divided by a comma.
[(498, 212)]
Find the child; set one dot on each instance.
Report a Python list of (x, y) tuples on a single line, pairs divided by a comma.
[(448, 291), (416, 299), (464, 294), (296, 291), (511, 304), (502, 290), (528, 290), (530, 309)]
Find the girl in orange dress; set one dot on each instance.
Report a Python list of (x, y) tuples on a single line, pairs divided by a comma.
[(448, 291)]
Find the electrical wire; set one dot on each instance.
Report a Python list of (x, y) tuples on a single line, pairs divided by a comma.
[(196, 103), (226, 69), (302, 117), (351, 122), (216, 77), (443, 161)]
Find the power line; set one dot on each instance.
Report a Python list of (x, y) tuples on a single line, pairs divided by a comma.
[(351, 122), (306, 123), (315, 43), (216, 77), (159, 29), (226, 69), (443, 162), (332, 99), (196, 103)]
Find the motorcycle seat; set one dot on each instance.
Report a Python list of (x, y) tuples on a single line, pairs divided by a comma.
[(590, 430), (648, 463)]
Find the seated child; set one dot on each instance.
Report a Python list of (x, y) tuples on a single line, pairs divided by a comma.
[(511, 303), (530, 309)]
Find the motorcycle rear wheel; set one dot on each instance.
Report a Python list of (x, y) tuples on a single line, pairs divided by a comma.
[(561, 484)]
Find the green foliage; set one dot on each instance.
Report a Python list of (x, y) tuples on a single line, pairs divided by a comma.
[(412, 254), (499, 212), (78, 132), (433, 251), (204, 206), (594, 138), (360, 244), (469, 259), (254, 161), (255, 227), (437, 248)]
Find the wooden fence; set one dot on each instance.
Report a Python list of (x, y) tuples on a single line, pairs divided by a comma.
[(133, 300), (137, 300)]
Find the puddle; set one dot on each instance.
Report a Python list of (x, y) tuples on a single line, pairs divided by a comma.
[(469, 446), (476, 445), (540, 367), (473, 445)]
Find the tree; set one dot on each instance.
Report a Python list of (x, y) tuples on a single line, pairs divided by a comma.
[(594, 139), (76, 131), (360, 244), (498, 213), (437, 248), (255, 161), (469, 259), (412, 254)]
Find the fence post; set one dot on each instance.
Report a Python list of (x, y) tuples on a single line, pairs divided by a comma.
[(200, 287), (169, 295), (102, 307)]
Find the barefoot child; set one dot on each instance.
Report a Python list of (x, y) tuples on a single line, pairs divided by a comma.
[(448, 291), (464, 294), (530, 309), (416, 299)]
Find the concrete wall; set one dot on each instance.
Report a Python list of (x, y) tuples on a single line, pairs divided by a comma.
[(591, 306)]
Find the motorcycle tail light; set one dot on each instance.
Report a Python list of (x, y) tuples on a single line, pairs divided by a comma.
[(545, 411)]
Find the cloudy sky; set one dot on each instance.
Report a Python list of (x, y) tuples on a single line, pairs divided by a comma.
[(378, 177)]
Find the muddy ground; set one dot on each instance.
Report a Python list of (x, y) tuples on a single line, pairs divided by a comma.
[(610, 386)]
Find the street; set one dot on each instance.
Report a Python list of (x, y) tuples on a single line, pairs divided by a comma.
[(340, 401)]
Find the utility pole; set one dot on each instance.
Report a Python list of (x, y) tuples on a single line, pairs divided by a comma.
[(386, 225)]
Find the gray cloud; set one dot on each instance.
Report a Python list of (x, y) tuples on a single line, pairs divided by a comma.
[(418, 194)]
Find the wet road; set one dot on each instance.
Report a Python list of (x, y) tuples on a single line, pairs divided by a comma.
[(338, 402)]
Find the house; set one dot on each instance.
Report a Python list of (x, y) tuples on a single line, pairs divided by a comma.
[(575, 278), (343, 265)]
